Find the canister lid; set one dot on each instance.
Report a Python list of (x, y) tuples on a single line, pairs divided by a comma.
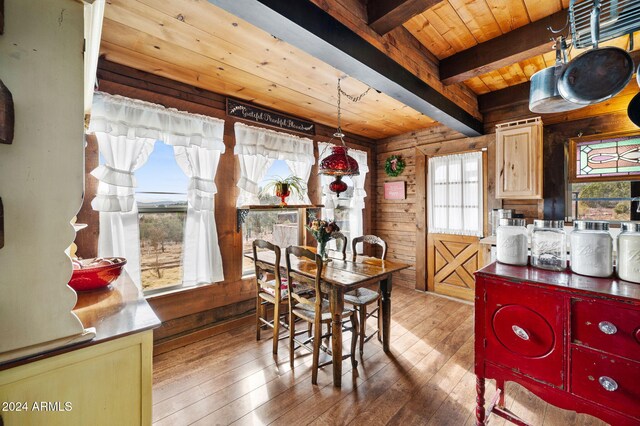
[(505, 213), (591, 225), (538, 223), (512, 222), (630, 227)]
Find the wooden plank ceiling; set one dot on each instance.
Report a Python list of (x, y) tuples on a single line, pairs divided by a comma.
[(197, 43), (488, 45), (453, 26)]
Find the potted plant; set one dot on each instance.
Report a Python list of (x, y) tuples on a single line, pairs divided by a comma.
[(283, 187)]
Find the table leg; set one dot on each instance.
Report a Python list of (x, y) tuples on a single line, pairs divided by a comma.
[(480, 415), (385, 289), (337, 306)]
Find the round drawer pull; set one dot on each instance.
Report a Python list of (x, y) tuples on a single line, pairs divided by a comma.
[(608, 383), (520, 332), (607, 328)]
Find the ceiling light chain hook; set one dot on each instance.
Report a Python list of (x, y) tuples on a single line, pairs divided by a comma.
[(354, 99)]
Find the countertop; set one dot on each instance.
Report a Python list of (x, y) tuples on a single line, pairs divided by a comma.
[(604, 286), (114, 311)]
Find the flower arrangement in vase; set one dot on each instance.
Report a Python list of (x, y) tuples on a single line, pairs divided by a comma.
[(283, 187), (322, 231)]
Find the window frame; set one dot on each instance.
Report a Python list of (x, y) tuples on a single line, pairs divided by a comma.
[(572, 158)]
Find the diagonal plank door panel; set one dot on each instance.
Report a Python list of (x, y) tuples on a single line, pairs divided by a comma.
[(452, 260)]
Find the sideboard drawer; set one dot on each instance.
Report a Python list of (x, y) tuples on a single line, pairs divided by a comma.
[(523, 331), (609, 380), (607, 327)]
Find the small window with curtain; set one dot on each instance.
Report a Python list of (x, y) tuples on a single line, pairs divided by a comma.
[(280, 226), (455, 194), (602, 171)]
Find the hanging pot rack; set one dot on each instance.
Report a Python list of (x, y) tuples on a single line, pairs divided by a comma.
[(617, 18)]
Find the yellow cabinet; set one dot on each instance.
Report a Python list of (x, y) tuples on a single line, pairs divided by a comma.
[(519, 159), (104, 384)]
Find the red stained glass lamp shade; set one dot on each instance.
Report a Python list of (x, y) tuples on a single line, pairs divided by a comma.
[(339, 163)]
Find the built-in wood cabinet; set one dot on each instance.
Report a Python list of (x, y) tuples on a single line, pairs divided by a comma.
[(105, 384), (106, 381), (519, 159)]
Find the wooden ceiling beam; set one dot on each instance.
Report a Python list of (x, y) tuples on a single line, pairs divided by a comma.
[(385, 15), (311, 29), (515, 46)]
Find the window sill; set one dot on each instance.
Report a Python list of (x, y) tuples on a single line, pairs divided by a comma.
[(243, 211)]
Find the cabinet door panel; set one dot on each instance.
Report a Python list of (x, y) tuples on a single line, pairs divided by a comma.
[(519, 161), (521, 326)]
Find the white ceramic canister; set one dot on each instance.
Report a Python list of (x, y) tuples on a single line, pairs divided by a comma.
[(549, 245), (591, 248), (629, 252), (511, 244)]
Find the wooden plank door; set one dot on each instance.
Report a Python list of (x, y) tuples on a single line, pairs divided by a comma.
[(451, 262)]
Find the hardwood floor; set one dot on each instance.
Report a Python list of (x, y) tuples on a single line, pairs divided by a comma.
[(426, 380)]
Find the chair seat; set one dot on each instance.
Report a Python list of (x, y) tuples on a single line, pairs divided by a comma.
[(270, 289), (307, 312), (361, 296)]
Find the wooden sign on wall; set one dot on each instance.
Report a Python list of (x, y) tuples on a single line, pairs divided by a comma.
[(269, 118), (394, 190)]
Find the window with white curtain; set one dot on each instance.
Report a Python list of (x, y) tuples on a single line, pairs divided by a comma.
[(263, 154), (257, 148), (346, 209), (455, 194), (127, 131)]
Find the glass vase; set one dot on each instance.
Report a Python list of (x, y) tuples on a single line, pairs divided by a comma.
[(322, 251)]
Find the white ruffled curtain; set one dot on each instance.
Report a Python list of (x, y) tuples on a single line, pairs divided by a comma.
[(201, 258), (324, 150), (252, 170), (455, 194), (257, 148), (359, 194), (119, 229), (302, 170), (126, 130)]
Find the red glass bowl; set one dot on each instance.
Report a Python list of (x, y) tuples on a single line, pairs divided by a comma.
[(90, 274)]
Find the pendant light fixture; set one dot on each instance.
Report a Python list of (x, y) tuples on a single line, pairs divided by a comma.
[(339, 163)]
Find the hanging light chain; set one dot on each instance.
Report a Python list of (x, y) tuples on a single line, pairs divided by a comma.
[(352, 99)]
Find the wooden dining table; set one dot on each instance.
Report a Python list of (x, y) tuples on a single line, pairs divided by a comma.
[(339, 277)]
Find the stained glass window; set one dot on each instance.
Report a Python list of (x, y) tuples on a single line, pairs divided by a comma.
[(607, 159)]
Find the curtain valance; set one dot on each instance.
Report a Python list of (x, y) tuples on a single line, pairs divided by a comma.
[(271, 144), (120, 116)]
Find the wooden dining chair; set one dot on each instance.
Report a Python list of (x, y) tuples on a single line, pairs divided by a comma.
[(271, 289), (341, 245), (308, 302), (362, 297)]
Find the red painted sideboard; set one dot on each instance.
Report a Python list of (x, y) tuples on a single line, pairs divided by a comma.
[(572, 340)]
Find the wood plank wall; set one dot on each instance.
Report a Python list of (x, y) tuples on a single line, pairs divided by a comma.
[(398, 221), (606, 117), (402, 222), (125, 81)]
